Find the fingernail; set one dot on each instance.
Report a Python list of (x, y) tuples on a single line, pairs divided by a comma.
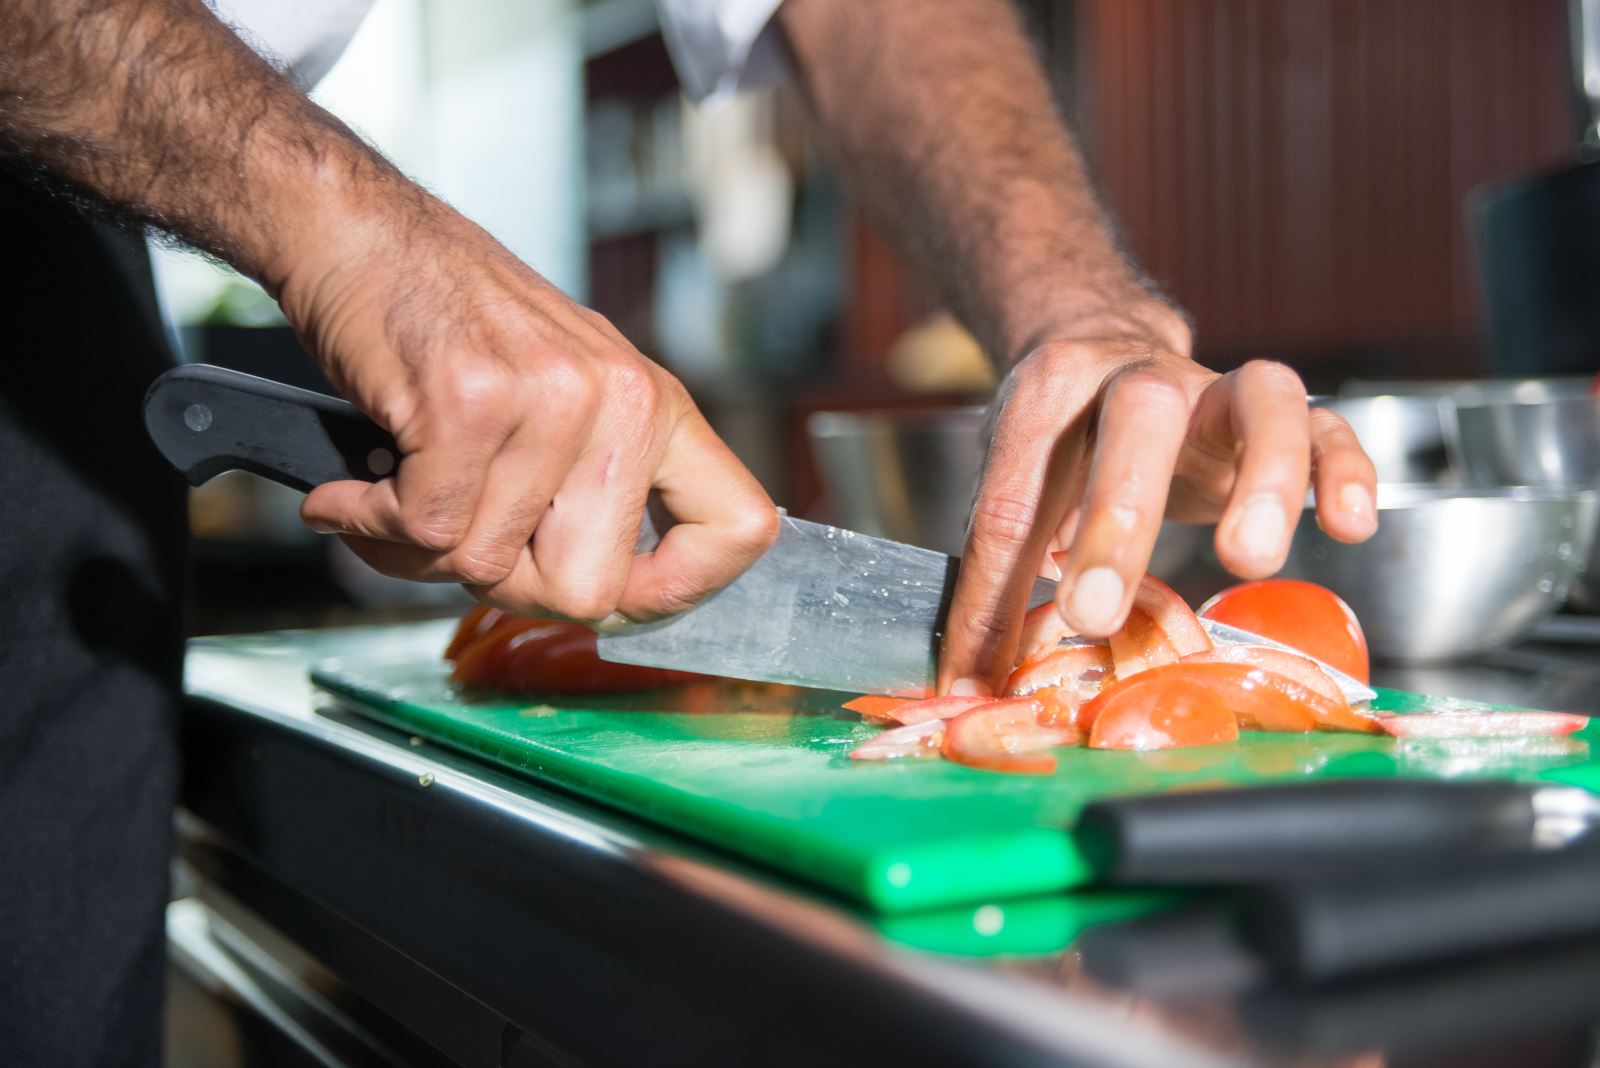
[(1096, 596), (612, 622), (1355, 500), (319, 527), (1261, 528), (970, 688)]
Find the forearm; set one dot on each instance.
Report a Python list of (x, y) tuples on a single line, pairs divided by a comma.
[(944, 120), (157, 109)]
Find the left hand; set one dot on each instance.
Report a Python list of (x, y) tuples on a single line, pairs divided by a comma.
[(1098, 434)]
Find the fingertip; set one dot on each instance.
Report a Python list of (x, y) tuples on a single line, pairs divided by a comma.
[(1092, 603), (969, 686)]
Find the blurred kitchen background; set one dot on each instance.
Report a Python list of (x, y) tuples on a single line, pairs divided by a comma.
[(1320, 181)]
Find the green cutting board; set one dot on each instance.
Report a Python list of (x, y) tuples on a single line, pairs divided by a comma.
[(776, 784)]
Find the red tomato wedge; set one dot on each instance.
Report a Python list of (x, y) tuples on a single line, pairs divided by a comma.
[(1160, 709), (916, 740), (1071, 666), (1042, 630), (1308, 617), (519, 655), (1294, 679), (1005, 735), (934, 708), (1160, 629), (478, 621), (876, 706), (1485, 724), (1297, 669)]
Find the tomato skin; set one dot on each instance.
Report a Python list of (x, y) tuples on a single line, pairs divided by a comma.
[(947, 707), (1160, 629), (916, 740), (1005, 735), (876, 706), (1159, 709), (479, 620), (516, 655), (1042, 630), (1303, 615), (1079, 668)]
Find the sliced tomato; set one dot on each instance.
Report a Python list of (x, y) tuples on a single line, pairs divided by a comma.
[(1294, 679), (915, 740), (1160, 629), (479, 620), (1042, 630), (1075, 667), (1160, 709), (934, 708), (1005, 735), (876, 706), (1308, 617), (550, 656), (1140, 645), (1486, 724), (1297, 669)]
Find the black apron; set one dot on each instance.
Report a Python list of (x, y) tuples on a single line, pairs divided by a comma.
[(92, 542)]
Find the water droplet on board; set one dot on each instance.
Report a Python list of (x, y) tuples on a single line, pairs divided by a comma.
[(1546, 584)]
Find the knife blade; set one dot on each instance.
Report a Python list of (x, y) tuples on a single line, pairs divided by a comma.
[(825, 607), (833, 609)]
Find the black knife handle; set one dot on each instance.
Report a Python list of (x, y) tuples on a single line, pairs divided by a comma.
[(1321, 931), (1255, 834), (207, 420)]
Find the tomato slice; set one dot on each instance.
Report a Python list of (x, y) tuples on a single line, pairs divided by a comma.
[(550, 656), (1159, 630), (1042, 630), (934, 708), (1308, 617), (479, 620), (915, 740), (1159, 709), (1005, 735), (1485, 724), (1294, 679), (876, 706), (1075, 667)]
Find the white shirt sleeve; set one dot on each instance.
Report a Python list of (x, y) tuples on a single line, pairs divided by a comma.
[(722, 46), (307, 35)]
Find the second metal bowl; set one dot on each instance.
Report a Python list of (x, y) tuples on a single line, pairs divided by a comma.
[(1454, 571)]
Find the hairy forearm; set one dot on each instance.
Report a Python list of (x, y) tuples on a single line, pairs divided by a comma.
[(943, 118), (156, 109)]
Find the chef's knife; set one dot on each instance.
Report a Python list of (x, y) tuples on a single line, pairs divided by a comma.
[(825, 607), (1300, 830)]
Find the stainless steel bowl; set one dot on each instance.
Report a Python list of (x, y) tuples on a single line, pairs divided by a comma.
[(1403, 433), (1453, 571), (1535, 436)]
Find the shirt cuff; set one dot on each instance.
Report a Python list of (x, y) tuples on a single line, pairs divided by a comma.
[(722, 46)]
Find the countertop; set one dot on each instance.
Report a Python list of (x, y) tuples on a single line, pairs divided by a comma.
[(494, 914)]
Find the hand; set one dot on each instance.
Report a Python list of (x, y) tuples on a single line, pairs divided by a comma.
[(530, 430), (1098, 434)]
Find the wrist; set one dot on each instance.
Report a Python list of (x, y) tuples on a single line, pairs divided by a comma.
[(1129, 312)]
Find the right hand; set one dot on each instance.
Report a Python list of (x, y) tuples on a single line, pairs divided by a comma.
[(530, 430)]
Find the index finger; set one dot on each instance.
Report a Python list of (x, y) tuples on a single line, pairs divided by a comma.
[(1018, 506), (724, 522)]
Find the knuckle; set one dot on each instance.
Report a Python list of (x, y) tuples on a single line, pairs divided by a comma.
[(587, 602), (636, 386), (480, 567), (1146, 391), (1003, 521), (568, 385), (756, 528), (1274, 376)]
